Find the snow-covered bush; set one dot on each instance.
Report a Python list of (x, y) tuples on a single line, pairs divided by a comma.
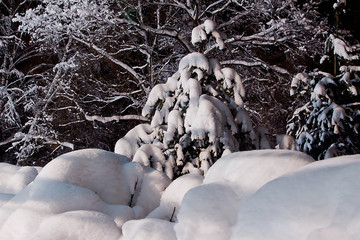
[(197, 116), (328, 124)]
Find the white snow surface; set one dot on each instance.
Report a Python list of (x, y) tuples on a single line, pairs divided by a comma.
[(149, 229), (76, 191), (128, 145), (319, 201), (14, 178), (172, 197), (261, 194)]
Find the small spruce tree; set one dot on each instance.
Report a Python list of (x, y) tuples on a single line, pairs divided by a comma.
[(197, 116), (328, 124)]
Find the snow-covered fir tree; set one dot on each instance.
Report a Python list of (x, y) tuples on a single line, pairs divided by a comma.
[(197, 116), (328, 124)]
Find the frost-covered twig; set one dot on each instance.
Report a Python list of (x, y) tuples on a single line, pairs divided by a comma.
[(20, 137), (115, 118)]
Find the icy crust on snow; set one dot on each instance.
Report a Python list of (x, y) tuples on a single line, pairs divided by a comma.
[(319, 201), (104, 185), (14, 178)]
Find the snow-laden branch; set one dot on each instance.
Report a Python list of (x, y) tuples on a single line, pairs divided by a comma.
[(115, 118), (20, 137), (240, 62), (109, 119), (255, 64), (260, 38)]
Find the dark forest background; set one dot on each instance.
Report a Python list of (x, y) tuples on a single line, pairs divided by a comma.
[(77, 75)]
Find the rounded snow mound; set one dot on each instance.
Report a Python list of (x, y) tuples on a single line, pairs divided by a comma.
[(209, 211), (318, 202), (247, 171), (173, 195), (149, 229), (14, 178), (105, 186), (78, 225)]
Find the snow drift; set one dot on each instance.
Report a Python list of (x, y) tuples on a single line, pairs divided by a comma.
[(262, 194), (79, 189)]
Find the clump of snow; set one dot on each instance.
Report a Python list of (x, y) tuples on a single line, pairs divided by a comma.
[(198, 35), (339, 115), (350, 68), (160, 93), (209, 26), (319, 201), (301, 80), (211, 119), (346, 80), (196, 60), (105, 185), (150, 155), (201, 33), (249, 170), (175, 125), (341, 48), (322, 90), (243, 120), (129, 144), (232, 80), (339, 4), (15, 178), (215, 68), (260, 138)]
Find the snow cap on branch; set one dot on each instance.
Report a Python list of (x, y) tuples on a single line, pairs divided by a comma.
[(201, 33)]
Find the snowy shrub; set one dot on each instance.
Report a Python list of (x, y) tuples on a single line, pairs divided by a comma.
[(197, 115), (328, 124)]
